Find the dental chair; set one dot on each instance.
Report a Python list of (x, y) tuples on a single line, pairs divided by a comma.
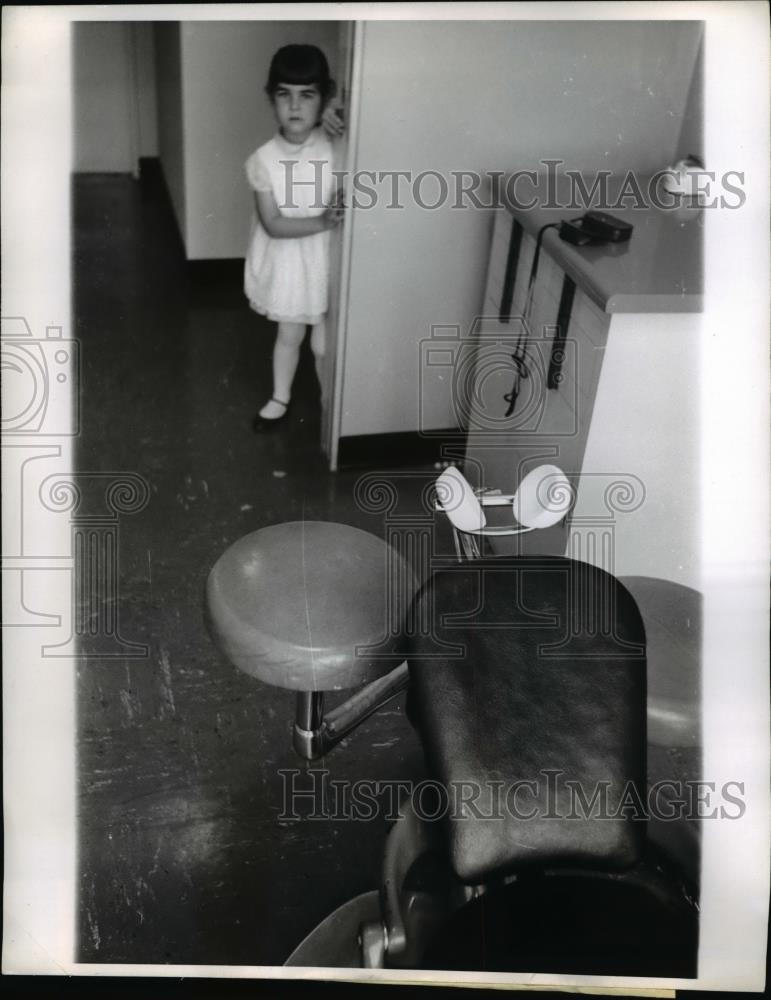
[(528, 849)]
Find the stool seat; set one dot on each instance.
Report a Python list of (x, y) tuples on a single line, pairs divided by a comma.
[(298, 604)]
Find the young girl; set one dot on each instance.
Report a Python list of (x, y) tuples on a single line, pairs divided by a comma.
[(287, 264)]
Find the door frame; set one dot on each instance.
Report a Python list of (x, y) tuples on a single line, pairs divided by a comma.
[(352, 51)]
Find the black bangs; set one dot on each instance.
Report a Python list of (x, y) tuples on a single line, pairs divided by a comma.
[(300, 64)]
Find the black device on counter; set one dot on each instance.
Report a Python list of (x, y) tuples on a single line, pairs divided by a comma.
[(595, 228)]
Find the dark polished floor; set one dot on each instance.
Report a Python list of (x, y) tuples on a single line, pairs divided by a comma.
[(182, 857)]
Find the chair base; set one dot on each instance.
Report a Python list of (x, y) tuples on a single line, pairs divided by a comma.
[(640, 922), (575, 923), (334, 944)]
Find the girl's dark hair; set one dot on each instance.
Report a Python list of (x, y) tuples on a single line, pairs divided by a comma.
[(300, 64)]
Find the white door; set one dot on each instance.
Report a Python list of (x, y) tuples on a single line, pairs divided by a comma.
[(349, 67)]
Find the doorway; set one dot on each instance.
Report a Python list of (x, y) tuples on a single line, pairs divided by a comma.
[(186, 99)]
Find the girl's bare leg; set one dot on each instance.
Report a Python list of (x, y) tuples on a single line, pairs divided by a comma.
[(319, 346), (286, 354)]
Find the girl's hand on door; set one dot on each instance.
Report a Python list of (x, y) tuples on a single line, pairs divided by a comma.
[(332, 119), (334, 215)]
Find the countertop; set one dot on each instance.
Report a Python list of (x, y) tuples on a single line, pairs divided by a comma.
[(660, 268)]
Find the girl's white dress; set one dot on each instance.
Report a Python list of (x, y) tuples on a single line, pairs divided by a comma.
[(286, 279)]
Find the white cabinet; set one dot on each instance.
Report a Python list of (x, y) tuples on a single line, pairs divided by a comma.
[(535, 376), (611, 397), (640, 479)]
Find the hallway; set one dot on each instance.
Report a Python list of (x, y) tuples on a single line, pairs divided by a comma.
[(183, 858)]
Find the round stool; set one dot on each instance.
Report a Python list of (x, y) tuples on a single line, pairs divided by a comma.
[(313, 606), (672, 614), (672, 617)]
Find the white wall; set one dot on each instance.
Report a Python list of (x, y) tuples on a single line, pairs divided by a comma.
[(103, 97), (147, 108), (484, 96), (114, 88), (692, 133), (211, 76), (168, 75)]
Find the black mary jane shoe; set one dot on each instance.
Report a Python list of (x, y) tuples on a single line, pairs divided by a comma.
[(262, 424)]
